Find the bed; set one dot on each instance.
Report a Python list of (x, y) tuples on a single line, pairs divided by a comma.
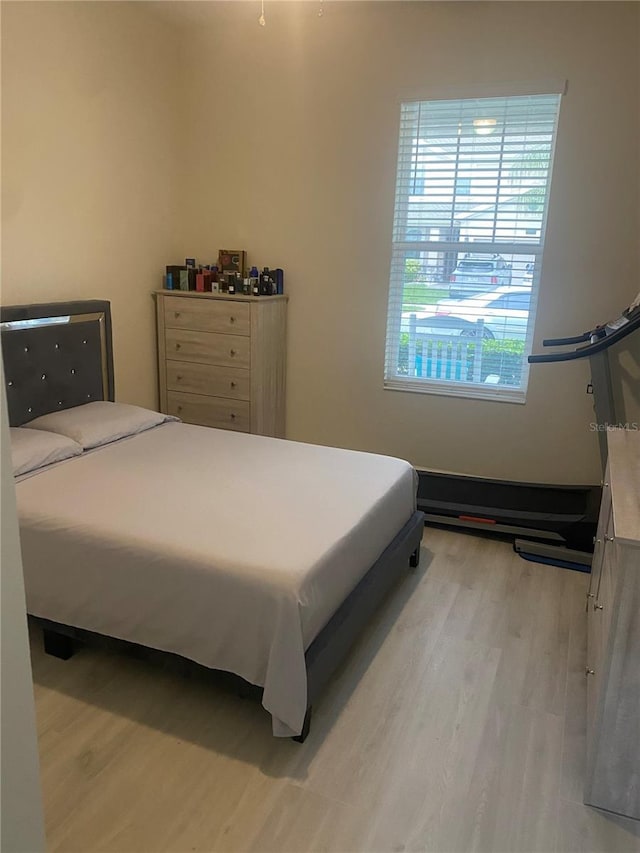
[(252, 555)]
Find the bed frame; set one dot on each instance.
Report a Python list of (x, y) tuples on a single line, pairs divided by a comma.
[(58, 355)]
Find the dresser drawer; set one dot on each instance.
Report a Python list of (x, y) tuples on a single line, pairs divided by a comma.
[(207, 315), (208, 379), (208, 348), (210, 411)]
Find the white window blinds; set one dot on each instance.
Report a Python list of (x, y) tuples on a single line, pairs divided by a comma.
[(472, 189)]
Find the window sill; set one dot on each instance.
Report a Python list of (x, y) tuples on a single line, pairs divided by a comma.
[(468, 391)]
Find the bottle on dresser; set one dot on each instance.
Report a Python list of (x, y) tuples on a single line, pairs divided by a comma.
[(265, 282), (254, 281)]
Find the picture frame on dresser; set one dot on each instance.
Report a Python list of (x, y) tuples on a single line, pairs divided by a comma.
[(232, 260), (222, 360)]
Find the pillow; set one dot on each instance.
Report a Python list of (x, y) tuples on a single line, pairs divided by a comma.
[(31, 449), (101, 422)]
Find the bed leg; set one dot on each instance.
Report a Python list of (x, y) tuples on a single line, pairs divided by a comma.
[(58, 645), (414, 559), (306, 726)]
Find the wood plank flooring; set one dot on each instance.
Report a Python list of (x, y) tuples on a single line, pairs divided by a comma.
[(457, 724)]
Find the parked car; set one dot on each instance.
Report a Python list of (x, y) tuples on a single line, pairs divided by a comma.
[(477, 273), (504, 313)]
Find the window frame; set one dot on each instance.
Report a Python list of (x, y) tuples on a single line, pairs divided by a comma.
[(404, 187)]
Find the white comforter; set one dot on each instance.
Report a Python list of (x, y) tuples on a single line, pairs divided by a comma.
[(232, 550)]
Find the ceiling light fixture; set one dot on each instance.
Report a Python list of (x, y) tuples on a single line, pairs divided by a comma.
[(261, 19), (484, 126)]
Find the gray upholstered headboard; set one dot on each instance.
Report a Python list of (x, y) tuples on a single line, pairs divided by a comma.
[(56, 355)]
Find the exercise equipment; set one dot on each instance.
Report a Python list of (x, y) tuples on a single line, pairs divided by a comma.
[(596, 345), (552, 524)]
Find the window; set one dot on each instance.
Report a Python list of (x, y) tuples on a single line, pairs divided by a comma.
[(472, 192)]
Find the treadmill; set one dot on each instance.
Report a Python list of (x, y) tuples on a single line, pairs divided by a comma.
[(594, 345), (550, 524)]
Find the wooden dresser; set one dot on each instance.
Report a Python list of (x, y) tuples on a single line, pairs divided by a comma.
[(222, 360), (613, 636)]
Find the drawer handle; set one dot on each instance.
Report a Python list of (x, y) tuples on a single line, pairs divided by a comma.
[(232, 319), (233, 417), (178, 346), (178, 378), (589, 671), (597, 606), (176, 314), (608, 538), (232, 352), (233, 384), (179, 408)]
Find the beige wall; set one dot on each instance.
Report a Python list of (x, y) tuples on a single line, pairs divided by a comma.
[(288, 139), (295, 160), (88, 104)]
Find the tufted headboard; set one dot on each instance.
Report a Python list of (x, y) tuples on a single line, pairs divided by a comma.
[(56, 355)]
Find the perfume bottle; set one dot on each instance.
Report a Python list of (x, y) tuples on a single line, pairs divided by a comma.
[(265, 282)]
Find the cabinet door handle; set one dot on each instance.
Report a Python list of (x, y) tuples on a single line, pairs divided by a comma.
[(176, 314), (597, 606), (589, 671), (608, 538)]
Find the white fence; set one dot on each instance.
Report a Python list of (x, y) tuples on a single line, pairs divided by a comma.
[(451, 356)]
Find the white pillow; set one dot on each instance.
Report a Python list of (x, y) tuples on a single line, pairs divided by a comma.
[(100, 422), (31, 449)]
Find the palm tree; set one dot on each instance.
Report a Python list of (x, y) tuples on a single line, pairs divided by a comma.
[(535, 164)]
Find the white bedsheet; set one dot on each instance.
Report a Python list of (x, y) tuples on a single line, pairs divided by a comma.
[(232, 550)]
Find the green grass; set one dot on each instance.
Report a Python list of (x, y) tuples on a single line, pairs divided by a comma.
[(417, 297)]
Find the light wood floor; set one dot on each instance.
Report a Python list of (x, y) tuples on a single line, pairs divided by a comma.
[(458, 724)]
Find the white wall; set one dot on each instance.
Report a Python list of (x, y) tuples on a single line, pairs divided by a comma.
[(21, 825), (293, 157), (89, 139), (135, 134)]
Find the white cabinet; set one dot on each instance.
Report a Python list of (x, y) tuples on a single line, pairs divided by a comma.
[(613, 637), (222, 360)]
